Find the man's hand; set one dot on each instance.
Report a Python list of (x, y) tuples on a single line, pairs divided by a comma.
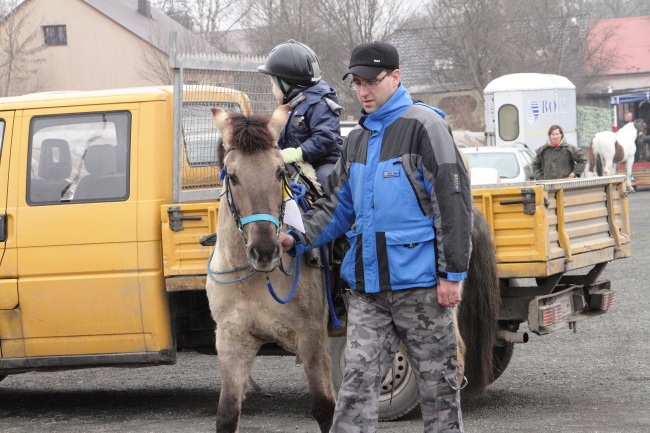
[(286, 241), (448, 293)]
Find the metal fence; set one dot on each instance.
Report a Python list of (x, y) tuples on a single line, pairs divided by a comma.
[(201, 82)]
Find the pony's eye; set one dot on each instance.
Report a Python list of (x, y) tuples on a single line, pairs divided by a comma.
[(233, 179), (281, 174)]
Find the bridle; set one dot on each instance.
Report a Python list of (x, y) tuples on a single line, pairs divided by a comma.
[(242, 221)]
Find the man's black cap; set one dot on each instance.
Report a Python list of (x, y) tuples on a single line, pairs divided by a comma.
[(368, 60)]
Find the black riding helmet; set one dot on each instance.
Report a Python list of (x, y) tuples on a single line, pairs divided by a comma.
[(293, 63)]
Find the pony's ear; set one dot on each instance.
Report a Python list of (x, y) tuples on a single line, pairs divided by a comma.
[(279, 119), (221, 120)]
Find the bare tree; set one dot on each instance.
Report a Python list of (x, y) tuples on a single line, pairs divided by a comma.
[(19, 52), (209, 18), (479, 40), (155, 54), (621, 8), (332, 28)]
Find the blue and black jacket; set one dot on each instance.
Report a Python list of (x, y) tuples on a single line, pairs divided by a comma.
[(401, 194)]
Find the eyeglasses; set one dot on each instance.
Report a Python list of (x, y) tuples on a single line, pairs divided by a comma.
[(358, 85)]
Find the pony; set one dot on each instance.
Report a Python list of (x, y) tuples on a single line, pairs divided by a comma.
[(246, 251), (241, 275), (607, 149)]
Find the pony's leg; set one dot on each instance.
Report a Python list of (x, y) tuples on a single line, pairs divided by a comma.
[(318, 369), (236, 355)]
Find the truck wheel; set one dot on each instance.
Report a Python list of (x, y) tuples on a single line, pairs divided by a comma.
[(501, 358), (404, 389)]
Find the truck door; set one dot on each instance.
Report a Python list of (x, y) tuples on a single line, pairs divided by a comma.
[(79, 265), (9, 326), (6, 123)]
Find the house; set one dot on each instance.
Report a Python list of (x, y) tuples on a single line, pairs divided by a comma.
[(88, 44), (626, 80)]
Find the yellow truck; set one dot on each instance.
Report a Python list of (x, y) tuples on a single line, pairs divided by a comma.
[(100, 259)]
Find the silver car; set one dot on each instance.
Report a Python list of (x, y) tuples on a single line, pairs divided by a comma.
[(509, 164)]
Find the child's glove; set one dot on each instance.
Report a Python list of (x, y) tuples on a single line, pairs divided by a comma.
[(292, 154)]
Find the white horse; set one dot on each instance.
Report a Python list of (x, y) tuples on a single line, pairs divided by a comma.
[(607, 149)]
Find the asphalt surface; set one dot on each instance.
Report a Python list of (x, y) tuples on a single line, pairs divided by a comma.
[(594, 381)]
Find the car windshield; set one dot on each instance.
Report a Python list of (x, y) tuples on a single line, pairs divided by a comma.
[(504, 163)]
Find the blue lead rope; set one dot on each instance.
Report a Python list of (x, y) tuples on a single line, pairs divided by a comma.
[(293, 287), (299, 192)]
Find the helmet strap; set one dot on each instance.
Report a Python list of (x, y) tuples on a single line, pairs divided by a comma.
[(288, 90)]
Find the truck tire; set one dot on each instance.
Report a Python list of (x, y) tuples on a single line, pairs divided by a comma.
[(501, 357), (405, 394)]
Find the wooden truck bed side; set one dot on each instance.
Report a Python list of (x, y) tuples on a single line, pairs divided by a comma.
[(549, 227)]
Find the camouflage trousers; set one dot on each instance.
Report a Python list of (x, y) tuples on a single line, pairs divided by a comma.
[(377, 323)]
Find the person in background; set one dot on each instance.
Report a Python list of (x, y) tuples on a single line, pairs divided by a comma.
[(312, 133), (628, 117), (402, 197), (558, 159)]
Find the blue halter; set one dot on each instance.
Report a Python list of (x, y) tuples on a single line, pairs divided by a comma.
[(242, 221)]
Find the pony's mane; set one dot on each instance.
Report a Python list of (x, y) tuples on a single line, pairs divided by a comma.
[(250, 134)]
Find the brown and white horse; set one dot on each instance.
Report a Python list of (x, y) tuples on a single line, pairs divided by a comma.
[(607, 149), (247, 252)]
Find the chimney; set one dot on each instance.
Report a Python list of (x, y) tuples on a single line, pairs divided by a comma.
[(144, 7)]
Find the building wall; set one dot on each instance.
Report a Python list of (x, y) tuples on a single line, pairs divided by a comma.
[(99, 54)]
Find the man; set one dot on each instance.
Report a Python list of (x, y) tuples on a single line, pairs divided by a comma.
[(401, 194), (628, 117)]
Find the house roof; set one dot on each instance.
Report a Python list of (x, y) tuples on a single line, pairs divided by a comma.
[(154, 30), (627, 40), (418, 60)]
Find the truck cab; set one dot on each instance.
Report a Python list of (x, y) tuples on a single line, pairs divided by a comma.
[(85, 203)]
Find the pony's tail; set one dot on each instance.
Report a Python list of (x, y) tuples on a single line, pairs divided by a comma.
[(479, 310)]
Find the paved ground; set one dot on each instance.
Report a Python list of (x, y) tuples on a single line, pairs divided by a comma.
[(594, 381)]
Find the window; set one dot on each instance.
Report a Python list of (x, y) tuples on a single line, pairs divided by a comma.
[(55, 35), (199, 132), (508, 119), (79, 158)]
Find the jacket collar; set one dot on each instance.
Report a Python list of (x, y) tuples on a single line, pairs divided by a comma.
[(389, 112)]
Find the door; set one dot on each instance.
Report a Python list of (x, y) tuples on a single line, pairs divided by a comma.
[(78, 258), (9, 316)]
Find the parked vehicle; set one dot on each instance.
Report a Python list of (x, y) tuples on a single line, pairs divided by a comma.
[(522, 107), (102, 265), (512, 164), (346, 127)]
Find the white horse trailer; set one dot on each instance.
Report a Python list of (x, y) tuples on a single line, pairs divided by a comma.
[(520, 108)]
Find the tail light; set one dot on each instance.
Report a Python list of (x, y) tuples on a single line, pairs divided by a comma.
[(550, 314), (602, 300)]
